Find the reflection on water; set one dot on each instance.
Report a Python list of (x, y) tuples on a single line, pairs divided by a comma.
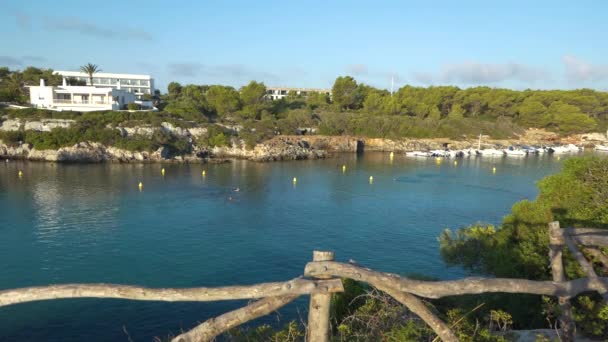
[(90, 223)]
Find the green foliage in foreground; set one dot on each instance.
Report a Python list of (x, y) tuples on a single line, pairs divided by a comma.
[(576, 196), (364, 314)]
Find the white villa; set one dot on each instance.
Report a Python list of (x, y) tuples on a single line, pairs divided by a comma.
[(277, 93), (79, 98), (135, 84)]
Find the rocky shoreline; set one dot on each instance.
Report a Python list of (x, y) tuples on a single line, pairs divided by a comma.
[(282, 147)]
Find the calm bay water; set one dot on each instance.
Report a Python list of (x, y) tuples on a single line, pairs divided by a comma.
[(90, 223)]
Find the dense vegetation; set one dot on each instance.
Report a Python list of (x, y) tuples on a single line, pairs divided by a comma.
[(358, 109), (577, 196)]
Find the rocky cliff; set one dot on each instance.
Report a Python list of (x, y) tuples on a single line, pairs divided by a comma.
[(277, 148)]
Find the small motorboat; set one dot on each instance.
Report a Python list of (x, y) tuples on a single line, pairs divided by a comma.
[(530, 149), (514, 152), (601, 148), (490, 152), (418, 154), (570, 148)]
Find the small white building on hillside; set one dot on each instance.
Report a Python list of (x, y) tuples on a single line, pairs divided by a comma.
[(277, 93), (79, 98)]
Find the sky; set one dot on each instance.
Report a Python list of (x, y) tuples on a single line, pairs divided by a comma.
[(534, 44)]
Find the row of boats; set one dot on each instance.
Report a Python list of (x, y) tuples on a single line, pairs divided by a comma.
[(514, 151)]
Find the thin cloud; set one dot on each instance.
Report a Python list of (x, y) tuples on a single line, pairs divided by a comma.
[(23, 20), (483, 73), (10, 61), (185, 69), (20, 61), (76, 25), (234, 72), (33, 59), (357, 69), (578, 70)]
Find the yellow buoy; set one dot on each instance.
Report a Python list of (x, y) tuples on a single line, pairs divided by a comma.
[(20, 174), (392, 155), (343, 168), (140, 186), (558, 157), (455, 162), (494, 169), (204, 173), (438, 160), (295, 180), (162, 171), (371, 179)]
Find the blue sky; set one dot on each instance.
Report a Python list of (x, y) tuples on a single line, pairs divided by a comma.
[(515, 44)]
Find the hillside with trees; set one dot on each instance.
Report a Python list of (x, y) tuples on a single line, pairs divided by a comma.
[(358, 109)]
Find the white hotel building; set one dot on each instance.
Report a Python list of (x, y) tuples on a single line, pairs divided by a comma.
[(139, 85), (79, 98)]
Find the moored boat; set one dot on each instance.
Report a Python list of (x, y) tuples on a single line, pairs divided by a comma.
[(601, 148), (490, 152), (418, 154), (514, 152)]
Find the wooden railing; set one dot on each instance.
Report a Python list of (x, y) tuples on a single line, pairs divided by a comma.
[(322, 278)]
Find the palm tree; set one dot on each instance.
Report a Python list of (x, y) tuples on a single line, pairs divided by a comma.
[(90, 69)]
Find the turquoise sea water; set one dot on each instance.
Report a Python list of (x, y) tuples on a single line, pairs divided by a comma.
[(90, 223)]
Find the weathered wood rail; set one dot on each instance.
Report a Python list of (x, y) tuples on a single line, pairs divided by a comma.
[(322, 278)]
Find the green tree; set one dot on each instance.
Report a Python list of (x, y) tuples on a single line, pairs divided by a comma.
[(316, 100), (374, 102), (174, 89), (531, 113), (190, 104), (253, 97), (90, 69), (456, 112), (568, 119), (223, 100), (253, 93), (346, 93)]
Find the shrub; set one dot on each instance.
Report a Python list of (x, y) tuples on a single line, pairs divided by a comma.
[(12, 138), (133, 106)]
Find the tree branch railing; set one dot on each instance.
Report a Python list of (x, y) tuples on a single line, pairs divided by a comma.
[(322, 279)]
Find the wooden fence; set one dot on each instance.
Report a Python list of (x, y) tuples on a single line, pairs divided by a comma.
[(322, 277)]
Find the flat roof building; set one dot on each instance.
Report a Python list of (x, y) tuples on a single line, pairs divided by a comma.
[(277, 93), (135, 84), (79, 98)]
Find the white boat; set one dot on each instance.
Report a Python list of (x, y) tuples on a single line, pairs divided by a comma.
[(602, 148), (491, 152), (513, 152), (570, 148), (488, 152), (418, 154), (530, 150)]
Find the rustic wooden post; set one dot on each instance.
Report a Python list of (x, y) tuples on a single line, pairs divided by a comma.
[(318, 312), (556, 245)]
